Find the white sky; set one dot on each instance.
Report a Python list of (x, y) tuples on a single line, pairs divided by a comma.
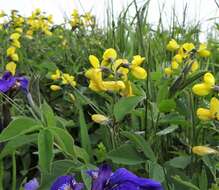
[(202, 10)]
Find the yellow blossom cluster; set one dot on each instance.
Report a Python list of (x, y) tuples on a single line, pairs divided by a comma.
[(86, 19), (62, 79), (185, 54), (112, 74)]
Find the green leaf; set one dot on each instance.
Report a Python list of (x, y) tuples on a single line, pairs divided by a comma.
[(211, 164), (125, 105), (139, 141), (168, 130), (64, 140), (45, 147), (167, 105), (179, 162), (173, 118), (19, 126), (48, 115), (125, 154), (85, 139), (82, 154), (16, 143), (156, 171), (187, 184)]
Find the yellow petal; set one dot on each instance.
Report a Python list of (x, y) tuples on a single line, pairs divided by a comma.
[(137, 60), (174, 65), (172, 45), (94, 61), (188, 47), (214, 108), (128, 90), (15, 36), (11, 67), (110, 54), (178, 58), (203, 114), (202, 51), (99, 118), (203, 150), (139, 72), (55, 87), (209, 79), (201, 89), (195, 66), (168, 71), (15, 57), (11, 50), (114, 85)]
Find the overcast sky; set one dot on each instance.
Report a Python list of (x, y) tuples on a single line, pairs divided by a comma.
[(202, 10)]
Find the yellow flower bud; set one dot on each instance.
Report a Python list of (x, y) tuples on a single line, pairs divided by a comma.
[(178, 58), (16, 43), (15, 36), (137, 60), (139, 72), (57, 75), (94, 61), (202, 51), (195, 66), (209, 79), (172, 45), (55, 87), (99, 118), (11, 67), (214, 108), (174, 65), (188, 47), (203, 114), (11, 50), (15, 57), (168, 71), (201, 89), (203, 150)]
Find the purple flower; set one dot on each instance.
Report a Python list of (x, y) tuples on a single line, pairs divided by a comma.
[(8, 81), (67, 182), (121, 179), (32, 185)]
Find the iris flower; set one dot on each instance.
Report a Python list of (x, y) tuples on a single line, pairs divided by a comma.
[(67, 182), (121, 179), (9, 82)]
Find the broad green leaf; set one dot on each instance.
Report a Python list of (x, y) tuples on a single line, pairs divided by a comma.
[(45, 147), (203, 180), (125, 105), (156, 171), (64, 140), (82, 154), (179, 162), (211, 164), (19, 126), (139, 141), (125, 154), (16, 143), (167, 105), (168, 130), (85, 139), (163, 91), (174, 119), (48, 115), (187, 184)]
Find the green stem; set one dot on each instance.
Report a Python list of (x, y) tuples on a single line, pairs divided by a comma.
[(14, 170), (1, 173)]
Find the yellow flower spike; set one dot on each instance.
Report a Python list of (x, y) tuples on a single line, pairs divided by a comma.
[(172, 45), (15, 57), (15, 36), (178, 58), (99, 118), (209, 79), (94, 61), (214, 108), (203, 114), (57, 75), (203, 150), (55, 87), (174, 65), (195, 66), (137, 60), (202, 51), (201, 89), (168, 71), (11, 67), (11, 50), (114, 85), (188, 47), (139, 72), (110, 55)]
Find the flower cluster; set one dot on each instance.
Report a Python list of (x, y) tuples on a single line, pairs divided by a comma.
[(112, 74), (185, 53), (102, 179), (62, 79), (87, 19)]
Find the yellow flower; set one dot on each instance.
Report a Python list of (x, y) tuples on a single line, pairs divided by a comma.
[(137, 71), (11, 50), (11, 67), (188, 47), (94, 61), (178, 58), (15, 57), (195, 66), (68, 79), (99, 118), (55, 87), (214, 108), (19, 30), (203, 114), (174, 65), (203, 150), (203, 52), (118, 67), (15, 36), (114, 85), (109, 56), (172, 45), (16, 43), (168, 71), (57, 75), (203, 89)]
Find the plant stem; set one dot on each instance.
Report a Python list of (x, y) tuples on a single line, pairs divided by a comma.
[(1, 173), (14, 170)]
